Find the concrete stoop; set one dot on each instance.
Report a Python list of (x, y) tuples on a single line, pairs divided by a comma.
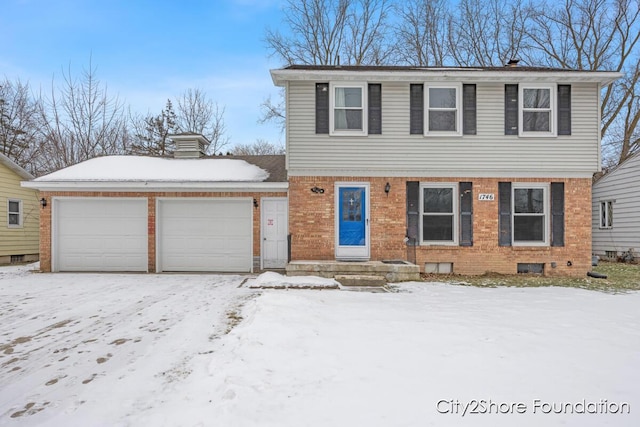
[(388, 271), (360, 280)]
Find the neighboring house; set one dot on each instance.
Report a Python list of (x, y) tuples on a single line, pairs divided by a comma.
[(189, 213), (616, 210), (19, 213), (469, 170)]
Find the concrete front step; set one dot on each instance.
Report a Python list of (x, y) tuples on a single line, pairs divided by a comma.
[(360, 280), (391, 271)]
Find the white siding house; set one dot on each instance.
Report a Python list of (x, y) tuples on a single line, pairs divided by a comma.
[(616, 210)]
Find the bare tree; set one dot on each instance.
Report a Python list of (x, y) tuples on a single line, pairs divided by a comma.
[(421, 32), (196, 113), (19, 123), (329, 32), (260, 147), (270, 112), (597, 35), (488, 32), (366, 41), (316, 30), (80, 121), (150, 134)]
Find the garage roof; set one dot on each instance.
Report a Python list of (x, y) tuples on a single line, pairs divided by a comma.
[(154, 173)]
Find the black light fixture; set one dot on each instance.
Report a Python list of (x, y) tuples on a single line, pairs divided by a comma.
[(317, 190), (255, 203), (387, 188), (43, 203)]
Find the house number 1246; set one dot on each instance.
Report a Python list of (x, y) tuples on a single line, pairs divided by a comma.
[(486, 197)]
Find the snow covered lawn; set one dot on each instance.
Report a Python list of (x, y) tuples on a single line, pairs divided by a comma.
[(165, 350)]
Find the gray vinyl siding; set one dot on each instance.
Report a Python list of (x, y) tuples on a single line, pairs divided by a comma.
[(396, 152), (620, 186)]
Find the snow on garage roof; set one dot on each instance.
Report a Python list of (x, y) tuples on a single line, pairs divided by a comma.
[(138, 168)]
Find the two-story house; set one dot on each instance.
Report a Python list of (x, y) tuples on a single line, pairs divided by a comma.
[(464, 170)]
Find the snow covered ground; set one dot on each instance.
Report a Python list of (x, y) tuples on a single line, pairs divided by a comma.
[(209, 350)]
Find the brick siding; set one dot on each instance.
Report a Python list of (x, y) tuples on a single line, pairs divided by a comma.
[(312, 229), (45, 217)]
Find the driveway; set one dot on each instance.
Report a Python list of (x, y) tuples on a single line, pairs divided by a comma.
[(207, 350)]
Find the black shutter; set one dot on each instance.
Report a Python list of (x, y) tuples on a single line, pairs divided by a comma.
[(375, 109), (510, 109), (466, 214), (469, 109), (413, 212), (557, 214), (322, 107), (564, 110), (504, 214), (416, 106)]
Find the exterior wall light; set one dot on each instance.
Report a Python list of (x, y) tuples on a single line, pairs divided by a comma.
[(387, 188), (43, 203), (317, 190), (255, 203)]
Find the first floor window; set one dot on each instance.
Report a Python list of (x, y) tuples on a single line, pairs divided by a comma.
[(438, 211), (14, 213), (348, 109), (606, 214), (530, 214)]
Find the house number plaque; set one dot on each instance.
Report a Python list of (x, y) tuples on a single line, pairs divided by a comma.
[(486, 197)]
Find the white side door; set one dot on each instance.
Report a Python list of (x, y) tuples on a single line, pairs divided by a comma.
[(274, 226)]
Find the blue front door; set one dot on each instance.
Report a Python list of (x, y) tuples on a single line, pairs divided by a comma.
[(352, 222)]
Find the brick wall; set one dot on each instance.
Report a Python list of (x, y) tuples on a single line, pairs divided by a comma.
[(311, 224), (45, 217)]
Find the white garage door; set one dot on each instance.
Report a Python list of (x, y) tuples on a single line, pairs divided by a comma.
[(205, 235), (100, 235)]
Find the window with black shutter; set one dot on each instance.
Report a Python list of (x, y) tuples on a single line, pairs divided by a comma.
[(375, 108), (413, 212), (510, 109), (469, 109), (322, 107), (564, 110), (416, 106), (466, 214), (504, 214), (557, 214)]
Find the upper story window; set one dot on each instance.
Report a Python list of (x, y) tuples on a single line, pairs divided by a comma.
[(348, 109), (348, 103), (14, 213), (530, 214), (606, 214), (439, 208), (537, 110), (443, 110)]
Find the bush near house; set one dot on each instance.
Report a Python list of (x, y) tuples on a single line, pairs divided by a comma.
[(621, 277)]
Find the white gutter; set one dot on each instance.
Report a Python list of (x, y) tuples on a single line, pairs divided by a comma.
[(280, 76), (156, 186)]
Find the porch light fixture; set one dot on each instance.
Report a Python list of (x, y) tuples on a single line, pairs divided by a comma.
[(43, 203), (387, 188), (317, 190), (255, 203)]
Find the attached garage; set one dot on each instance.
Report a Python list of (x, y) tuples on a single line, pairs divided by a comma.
[(99, 234), (191, 213), (212, 235)]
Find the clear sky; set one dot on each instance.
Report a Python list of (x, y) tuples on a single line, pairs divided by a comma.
[(147, 51)]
